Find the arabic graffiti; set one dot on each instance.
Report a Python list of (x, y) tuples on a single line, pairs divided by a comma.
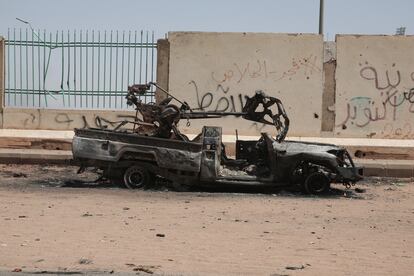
[(71, 120), (406, 131), (218, 100), (238, 73), (259, 69), (104, 123), (226, 88), (308, 64), (390, 103)]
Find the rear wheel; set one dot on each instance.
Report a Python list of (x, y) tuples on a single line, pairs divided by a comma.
[(317, 183), (136, 177)]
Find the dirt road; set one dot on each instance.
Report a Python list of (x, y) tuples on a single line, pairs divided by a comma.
[(47, 227)]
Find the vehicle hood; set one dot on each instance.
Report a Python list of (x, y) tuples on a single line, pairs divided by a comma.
[(307, 147)]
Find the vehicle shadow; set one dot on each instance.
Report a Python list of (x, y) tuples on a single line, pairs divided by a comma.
[(161, 186), (89, 184), (333, 192)]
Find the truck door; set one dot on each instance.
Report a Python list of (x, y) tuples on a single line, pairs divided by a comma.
[(211, 153)]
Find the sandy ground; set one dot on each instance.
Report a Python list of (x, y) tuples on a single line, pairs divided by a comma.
[(50, 221)]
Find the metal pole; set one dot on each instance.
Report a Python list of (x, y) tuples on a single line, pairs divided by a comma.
[(321, 4), (2, 75)]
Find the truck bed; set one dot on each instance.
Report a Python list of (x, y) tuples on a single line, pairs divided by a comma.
[(111, 146)]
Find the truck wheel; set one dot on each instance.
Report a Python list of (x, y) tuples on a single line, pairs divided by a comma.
[(136, 177), (317, 183)]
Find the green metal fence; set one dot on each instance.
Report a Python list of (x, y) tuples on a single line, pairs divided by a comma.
[(77, 69)]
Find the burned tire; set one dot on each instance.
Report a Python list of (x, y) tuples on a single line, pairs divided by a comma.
[(136, 177), (316, 183)]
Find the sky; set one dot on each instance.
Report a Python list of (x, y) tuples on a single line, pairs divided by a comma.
[(162, 16)]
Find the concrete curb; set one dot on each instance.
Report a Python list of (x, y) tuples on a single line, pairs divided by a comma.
[(35, 156)]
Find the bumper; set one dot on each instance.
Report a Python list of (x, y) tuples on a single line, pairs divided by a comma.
[(351, 174)]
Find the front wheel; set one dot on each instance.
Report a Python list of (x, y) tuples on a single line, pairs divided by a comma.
[(317, 183), (136, 177)]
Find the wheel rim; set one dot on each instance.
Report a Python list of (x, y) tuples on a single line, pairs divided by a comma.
[(134, 177), (317, 183)]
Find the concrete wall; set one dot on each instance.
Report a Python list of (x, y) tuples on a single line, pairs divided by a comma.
[(215, 71), (358, 87), (374, 76)]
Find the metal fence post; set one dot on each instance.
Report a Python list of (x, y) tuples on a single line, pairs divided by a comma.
[(2, 79)]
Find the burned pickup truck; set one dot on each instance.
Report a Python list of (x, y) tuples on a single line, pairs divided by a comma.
[(153, 146)]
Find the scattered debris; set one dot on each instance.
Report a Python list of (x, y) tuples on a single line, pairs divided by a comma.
[(400, 184), (87, 215), (84, 261), (360, 190), (20, 175), (295, 267), (59, 272), (146, 268)]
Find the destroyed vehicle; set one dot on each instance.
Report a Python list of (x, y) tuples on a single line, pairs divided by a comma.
[(154, 146)]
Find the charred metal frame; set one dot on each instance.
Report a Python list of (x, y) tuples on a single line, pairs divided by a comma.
[(155, 144), (163, 118)]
